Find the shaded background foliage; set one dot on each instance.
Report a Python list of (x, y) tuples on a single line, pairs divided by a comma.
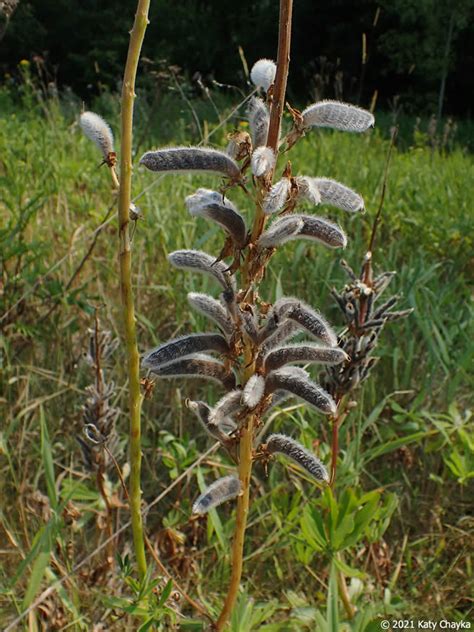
[(84, 45)]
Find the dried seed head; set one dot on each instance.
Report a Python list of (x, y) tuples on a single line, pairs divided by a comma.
[(263, 161), (281, 231), (191, 159), (197, 366), (212, 309), (221, 490), (259, 120), (182, 347), (337, 115), (299, 454), (253, 391), (98, 131), (214, 206), (308, 190), (277, 196), (294, 381), (303, 352), (338, 195), (263, 73), (199, 261)]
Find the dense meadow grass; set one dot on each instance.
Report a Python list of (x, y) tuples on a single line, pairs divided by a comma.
[(409, 442)]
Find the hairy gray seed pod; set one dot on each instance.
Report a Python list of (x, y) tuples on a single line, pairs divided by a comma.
[(203, 413), (276, 332), (226, 407), (98, 131), (338, 195), (277, 196), (259, 120), (306, 317), (281, 231), (263, 73), (191, 159), (321, 230), (263, 161), (305, 352), (299, 454), (308, 190), (212, 205), (221, 490), (184, 346), (287, 379), (198, 261), (249, 324), (337, 115), (198, 366), (253, 391), (212, 309)]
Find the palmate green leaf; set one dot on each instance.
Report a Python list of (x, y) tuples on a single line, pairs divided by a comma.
[(347, 570)]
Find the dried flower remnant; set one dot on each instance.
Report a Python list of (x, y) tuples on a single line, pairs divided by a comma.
[(263, 73), (191, 159), (99, 132), (219, 492), (253, 391), (277, 196), (279, 443), (263, 161)]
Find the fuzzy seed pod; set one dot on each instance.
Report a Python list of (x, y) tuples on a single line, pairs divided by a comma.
[(263, 73), (338, 195), (303, 352), (337, 115), (221, 490), (249, 324), (273, 335), (226, 407), (259, 120), (277, 196), (212, 309), (299, 454), (253, 391), (214, 206), (308, 190), (184, 346), (191, 159), (321, 230), (199, 261), (98, 131), (306, 317), (263, 161), (296, 382), (198, 366), (203, 413), (281, 231), (382, 282)]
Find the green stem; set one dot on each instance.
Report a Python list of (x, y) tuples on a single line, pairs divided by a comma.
[(135, 398)]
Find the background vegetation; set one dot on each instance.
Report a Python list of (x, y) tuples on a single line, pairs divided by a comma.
[(407, 450)]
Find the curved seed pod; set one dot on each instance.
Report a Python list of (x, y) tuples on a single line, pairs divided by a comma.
[(215, 311), (249, 324), (299, 454), (199, 261), (277, 196), (321, 230), (273, 337), (203, 412), (263, 161), (184, 346), (214, 206), (382, 282), (287, 379), (281, 231), (304, 352), (226, 407), (98, 131), (259, 120), (221, 490), (308, 190), (338, 195), (191, 159), (306, 317), (337, 115), (253, 391), (198, 366), (263, 73)]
